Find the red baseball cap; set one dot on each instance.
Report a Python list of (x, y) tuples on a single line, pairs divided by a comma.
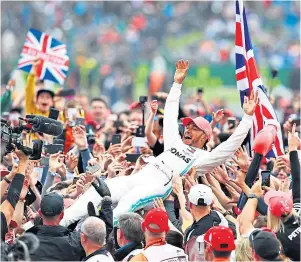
[(157, 217), (280, 203), (201, 123), (220, 238)]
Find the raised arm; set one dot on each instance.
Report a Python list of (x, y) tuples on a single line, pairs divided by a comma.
[(293, 144), (151, 137), (30, 106), (222, 152), (171, 110)]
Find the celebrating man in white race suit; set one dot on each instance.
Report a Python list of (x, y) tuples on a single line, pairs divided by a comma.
[(154, 180)]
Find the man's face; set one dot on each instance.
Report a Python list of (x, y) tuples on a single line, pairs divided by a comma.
[(44, 101), (193, 136), (99, 110), (135, 118), (282, 175)]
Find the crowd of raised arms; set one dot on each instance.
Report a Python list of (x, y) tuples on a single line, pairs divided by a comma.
[(179, 188)]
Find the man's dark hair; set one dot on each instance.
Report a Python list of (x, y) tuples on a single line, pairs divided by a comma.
[(174, 238), (99, 99), (221, 253), (59, 186)]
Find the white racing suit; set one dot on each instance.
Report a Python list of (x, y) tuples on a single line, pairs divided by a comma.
[(155, 179)]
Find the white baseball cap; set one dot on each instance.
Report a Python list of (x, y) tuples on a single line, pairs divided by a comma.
[(200, 195)]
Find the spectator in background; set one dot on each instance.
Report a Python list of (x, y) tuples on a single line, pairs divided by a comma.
[(44, 97), (93, 240), (155, 227), (56, 242), (218, 244), (99, 111), (129, 236)]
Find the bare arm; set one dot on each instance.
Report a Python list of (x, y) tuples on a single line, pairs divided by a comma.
[(151, 138)]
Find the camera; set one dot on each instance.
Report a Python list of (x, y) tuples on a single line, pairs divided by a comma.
[(142, 99), (12, 136)]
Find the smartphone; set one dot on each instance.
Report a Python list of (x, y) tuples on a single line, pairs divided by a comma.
[(231, 122), (132, 157), (200, 91), (139, 142), (28, 225), (75, 179), (80, 121), (53, 149), (93, 169), (44, 161), (116, 139), (67, 92), (54, 114), (265, 178), (140, 132), (72, 112)]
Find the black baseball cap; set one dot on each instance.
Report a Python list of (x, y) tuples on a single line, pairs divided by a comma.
[(52, 204), (45, 91), (265, 244)]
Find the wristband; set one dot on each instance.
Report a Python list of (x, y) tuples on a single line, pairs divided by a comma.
[(173, 194), (6, 180)]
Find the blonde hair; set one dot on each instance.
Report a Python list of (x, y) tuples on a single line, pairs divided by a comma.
[(276, 223), (243, 250)]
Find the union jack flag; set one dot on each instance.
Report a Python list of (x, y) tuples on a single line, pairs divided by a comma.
[(53, 54), (248, 79)]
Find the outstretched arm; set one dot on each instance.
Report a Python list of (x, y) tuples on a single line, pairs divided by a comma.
[(222, 152), (171, 110)]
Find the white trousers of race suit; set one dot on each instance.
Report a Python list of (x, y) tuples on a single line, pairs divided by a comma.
[(130, 192)]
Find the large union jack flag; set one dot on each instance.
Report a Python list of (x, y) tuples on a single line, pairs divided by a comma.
[(54, 60), (248, 79)]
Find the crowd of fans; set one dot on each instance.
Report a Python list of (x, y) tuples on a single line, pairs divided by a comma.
[(120, 36), (84, 203)]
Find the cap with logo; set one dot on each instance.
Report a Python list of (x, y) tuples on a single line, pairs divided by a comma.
[(280, 203), (200, 195), (156, 221), (201, 123), (220, 238), (52, 204), (265, 244)]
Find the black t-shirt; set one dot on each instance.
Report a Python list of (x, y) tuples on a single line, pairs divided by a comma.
[(4, 228), (158, 148), (290, 238)]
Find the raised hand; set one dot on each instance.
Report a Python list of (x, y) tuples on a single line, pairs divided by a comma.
[(158, 203), (293, 139), (55, 162), (71, 161), (220, 174), (217, 116), (80, 137), (35, 65), (177, 185), (242, 159), (250, 103), (181, 71), (154, 106)]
